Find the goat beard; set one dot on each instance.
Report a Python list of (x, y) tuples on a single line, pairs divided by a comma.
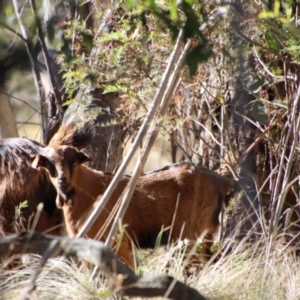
[(59, 201), (63, 198)]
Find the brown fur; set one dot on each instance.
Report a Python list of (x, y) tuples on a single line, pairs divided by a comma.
[(20, 182), (152, 205), (73, 133)]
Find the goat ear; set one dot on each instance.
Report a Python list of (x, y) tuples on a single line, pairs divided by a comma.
[(84, 156), (40, 161)]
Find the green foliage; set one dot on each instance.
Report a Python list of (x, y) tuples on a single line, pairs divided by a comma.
[(18, 215), (272, 41), (104, 292), (275, 12), (200, 53), (182, 16), (191, 24), (293, 45), (256, 83), (215, 247), (258, 112), (165, 17), (50, 30), (22, 205), (121, 233), (159, 238), (173, 10), (281, 30)]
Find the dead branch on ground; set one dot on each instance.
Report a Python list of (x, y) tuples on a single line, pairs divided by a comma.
[(123, 279)]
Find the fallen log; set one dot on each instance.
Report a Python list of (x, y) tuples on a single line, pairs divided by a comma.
[(123, 279)]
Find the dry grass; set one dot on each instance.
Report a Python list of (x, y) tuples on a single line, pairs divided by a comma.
[(60, 279), (247, 273)]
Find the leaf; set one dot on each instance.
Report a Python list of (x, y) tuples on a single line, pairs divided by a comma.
[(131, 3), (220, 99), (276, 8), (143, 18), (198, 54), (173, 10), (215, 247), (91, 77), (258, 113), (272, 41), (23, 204), (36, 48), (164, 16), (152, 4), (88, 40), (111, 88), (50, 30), (284, 21), (66, 51), (266, 15), (256, 83), (191, 26)]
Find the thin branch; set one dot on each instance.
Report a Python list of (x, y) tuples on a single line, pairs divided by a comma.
[(123, 279), (4, 25), (22, 101), (33, 61), (267, 70), (48, 64)]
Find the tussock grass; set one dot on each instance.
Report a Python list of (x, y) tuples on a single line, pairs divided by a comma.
[(252, 274), (248, 272), (59, 279)]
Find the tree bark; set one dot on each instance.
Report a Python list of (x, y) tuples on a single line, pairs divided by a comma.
[(244, 219), (8, 127)]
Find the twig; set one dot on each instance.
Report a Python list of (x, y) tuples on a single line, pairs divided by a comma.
[(33, 62), (48, 64), (18, 99), (123, 279), (2, 24)]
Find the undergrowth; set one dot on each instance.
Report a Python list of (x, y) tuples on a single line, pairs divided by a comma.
[(248, 272)]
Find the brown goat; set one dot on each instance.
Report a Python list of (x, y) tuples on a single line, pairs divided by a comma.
[(153, 205), (20, 182)]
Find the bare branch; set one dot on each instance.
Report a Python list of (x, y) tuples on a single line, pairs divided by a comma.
[(4, 25), (57, 93), (33, 61)]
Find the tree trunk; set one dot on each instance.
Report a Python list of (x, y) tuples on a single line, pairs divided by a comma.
[(8, 127)]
